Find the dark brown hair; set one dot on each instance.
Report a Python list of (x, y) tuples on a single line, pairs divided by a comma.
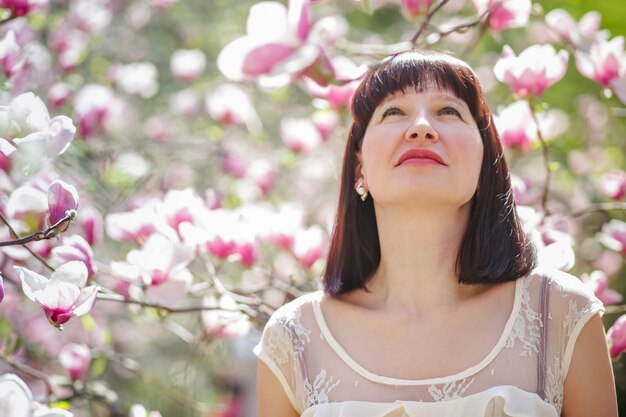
[(494, 248)]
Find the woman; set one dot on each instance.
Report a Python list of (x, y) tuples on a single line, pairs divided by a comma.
[(432, 304)]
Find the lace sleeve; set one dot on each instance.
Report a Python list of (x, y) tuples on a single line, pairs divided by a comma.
[(575, 305), (281, 348)]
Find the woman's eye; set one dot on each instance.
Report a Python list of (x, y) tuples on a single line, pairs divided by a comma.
[(391, 111), (450, 111)]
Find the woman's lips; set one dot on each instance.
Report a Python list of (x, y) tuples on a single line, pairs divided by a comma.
[(420, 157)]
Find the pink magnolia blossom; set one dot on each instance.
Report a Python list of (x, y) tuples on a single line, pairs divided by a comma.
[(262, 173), (618, 85), (59, 95), (516, 126), (281, 51), (339, 94), (138, 78), (223, 234), (598, 282), (234, 164), (187, 64), (92, 105), (229, 104), (9, 53), (36, 137), (70, 44), (300, 134), (30, 205), (64, 295), (616, 337), (138, 410), (581, 33), (518, 129), (62, 198), (134, 226), (504, 14), (609, 262), (75, 248), (533, 71), (613, 235), (186, 103), (24, 7), (309, 246), (326, 121), (162, 267), (92, 225), (16, 400), (179, 206), (415, 7), (613, 184), (605, 61), (75, 358), (224, 319)]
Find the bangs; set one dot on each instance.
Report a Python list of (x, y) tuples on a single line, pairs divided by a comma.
[(419, 71)]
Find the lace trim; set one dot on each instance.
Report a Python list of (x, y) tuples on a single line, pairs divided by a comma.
[(554, 385), (453, 390), (317, 392), (527, 327)]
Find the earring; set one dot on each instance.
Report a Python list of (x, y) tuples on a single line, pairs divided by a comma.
[(361, 191)]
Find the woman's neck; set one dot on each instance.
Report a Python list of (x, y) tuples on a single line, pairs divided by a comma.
[(419, 247)]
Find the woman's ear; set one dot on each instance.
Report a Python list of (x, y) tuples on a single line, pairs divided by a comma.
[(359, 173)]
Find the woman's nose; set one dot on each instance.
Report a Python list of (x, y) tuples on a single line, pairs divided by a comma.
[(421, 129)]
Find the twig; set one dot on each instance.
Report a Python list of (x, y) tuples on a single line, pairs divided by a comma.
[(546, 160), (616, 205), (426, 21)]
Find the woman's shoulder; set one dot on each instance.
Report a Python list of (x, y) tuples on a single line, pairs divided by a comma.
[(293, 310), (565, 290)]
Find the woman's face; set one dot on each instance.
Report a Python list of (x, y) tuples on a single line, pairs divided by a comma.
[(423, 147)]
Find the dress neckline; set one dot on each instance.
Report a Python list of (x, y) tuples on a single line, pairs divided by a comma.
[(340, 351)]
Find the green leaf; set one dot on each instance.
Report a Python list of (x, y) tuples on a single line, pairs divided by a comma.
[(367, 7), (64, 405), (98, 366), (89, 323)]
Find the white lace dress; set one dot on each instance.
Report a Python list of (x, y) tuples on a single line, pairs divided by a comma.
[(522, 376)]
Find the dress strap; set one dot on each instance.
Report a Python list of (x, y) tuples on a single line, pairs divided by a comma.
[(541, 360)]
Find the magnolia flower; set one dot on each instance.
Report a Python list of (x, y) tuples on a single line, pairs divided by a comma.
[(278, 52), (139, 78), (186, 102), (309, 245), (415, 7), (64, 295), (300, 134), (36, 137), (224, 320), (134, 226), (613, 184), (75, 248), (613, 235), (187, 64), (92, 106), (604, 62), (534, 70), (223, 234), (62, 198), (91, 223), (9, 53), (162, 267), (230, 104), (580, 33), (24, 7), (616, 337), (16, 400), (75, 358), (598, 282), (517, 127), (504, 14), (29, 204), (339, 94), (138, 410)]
